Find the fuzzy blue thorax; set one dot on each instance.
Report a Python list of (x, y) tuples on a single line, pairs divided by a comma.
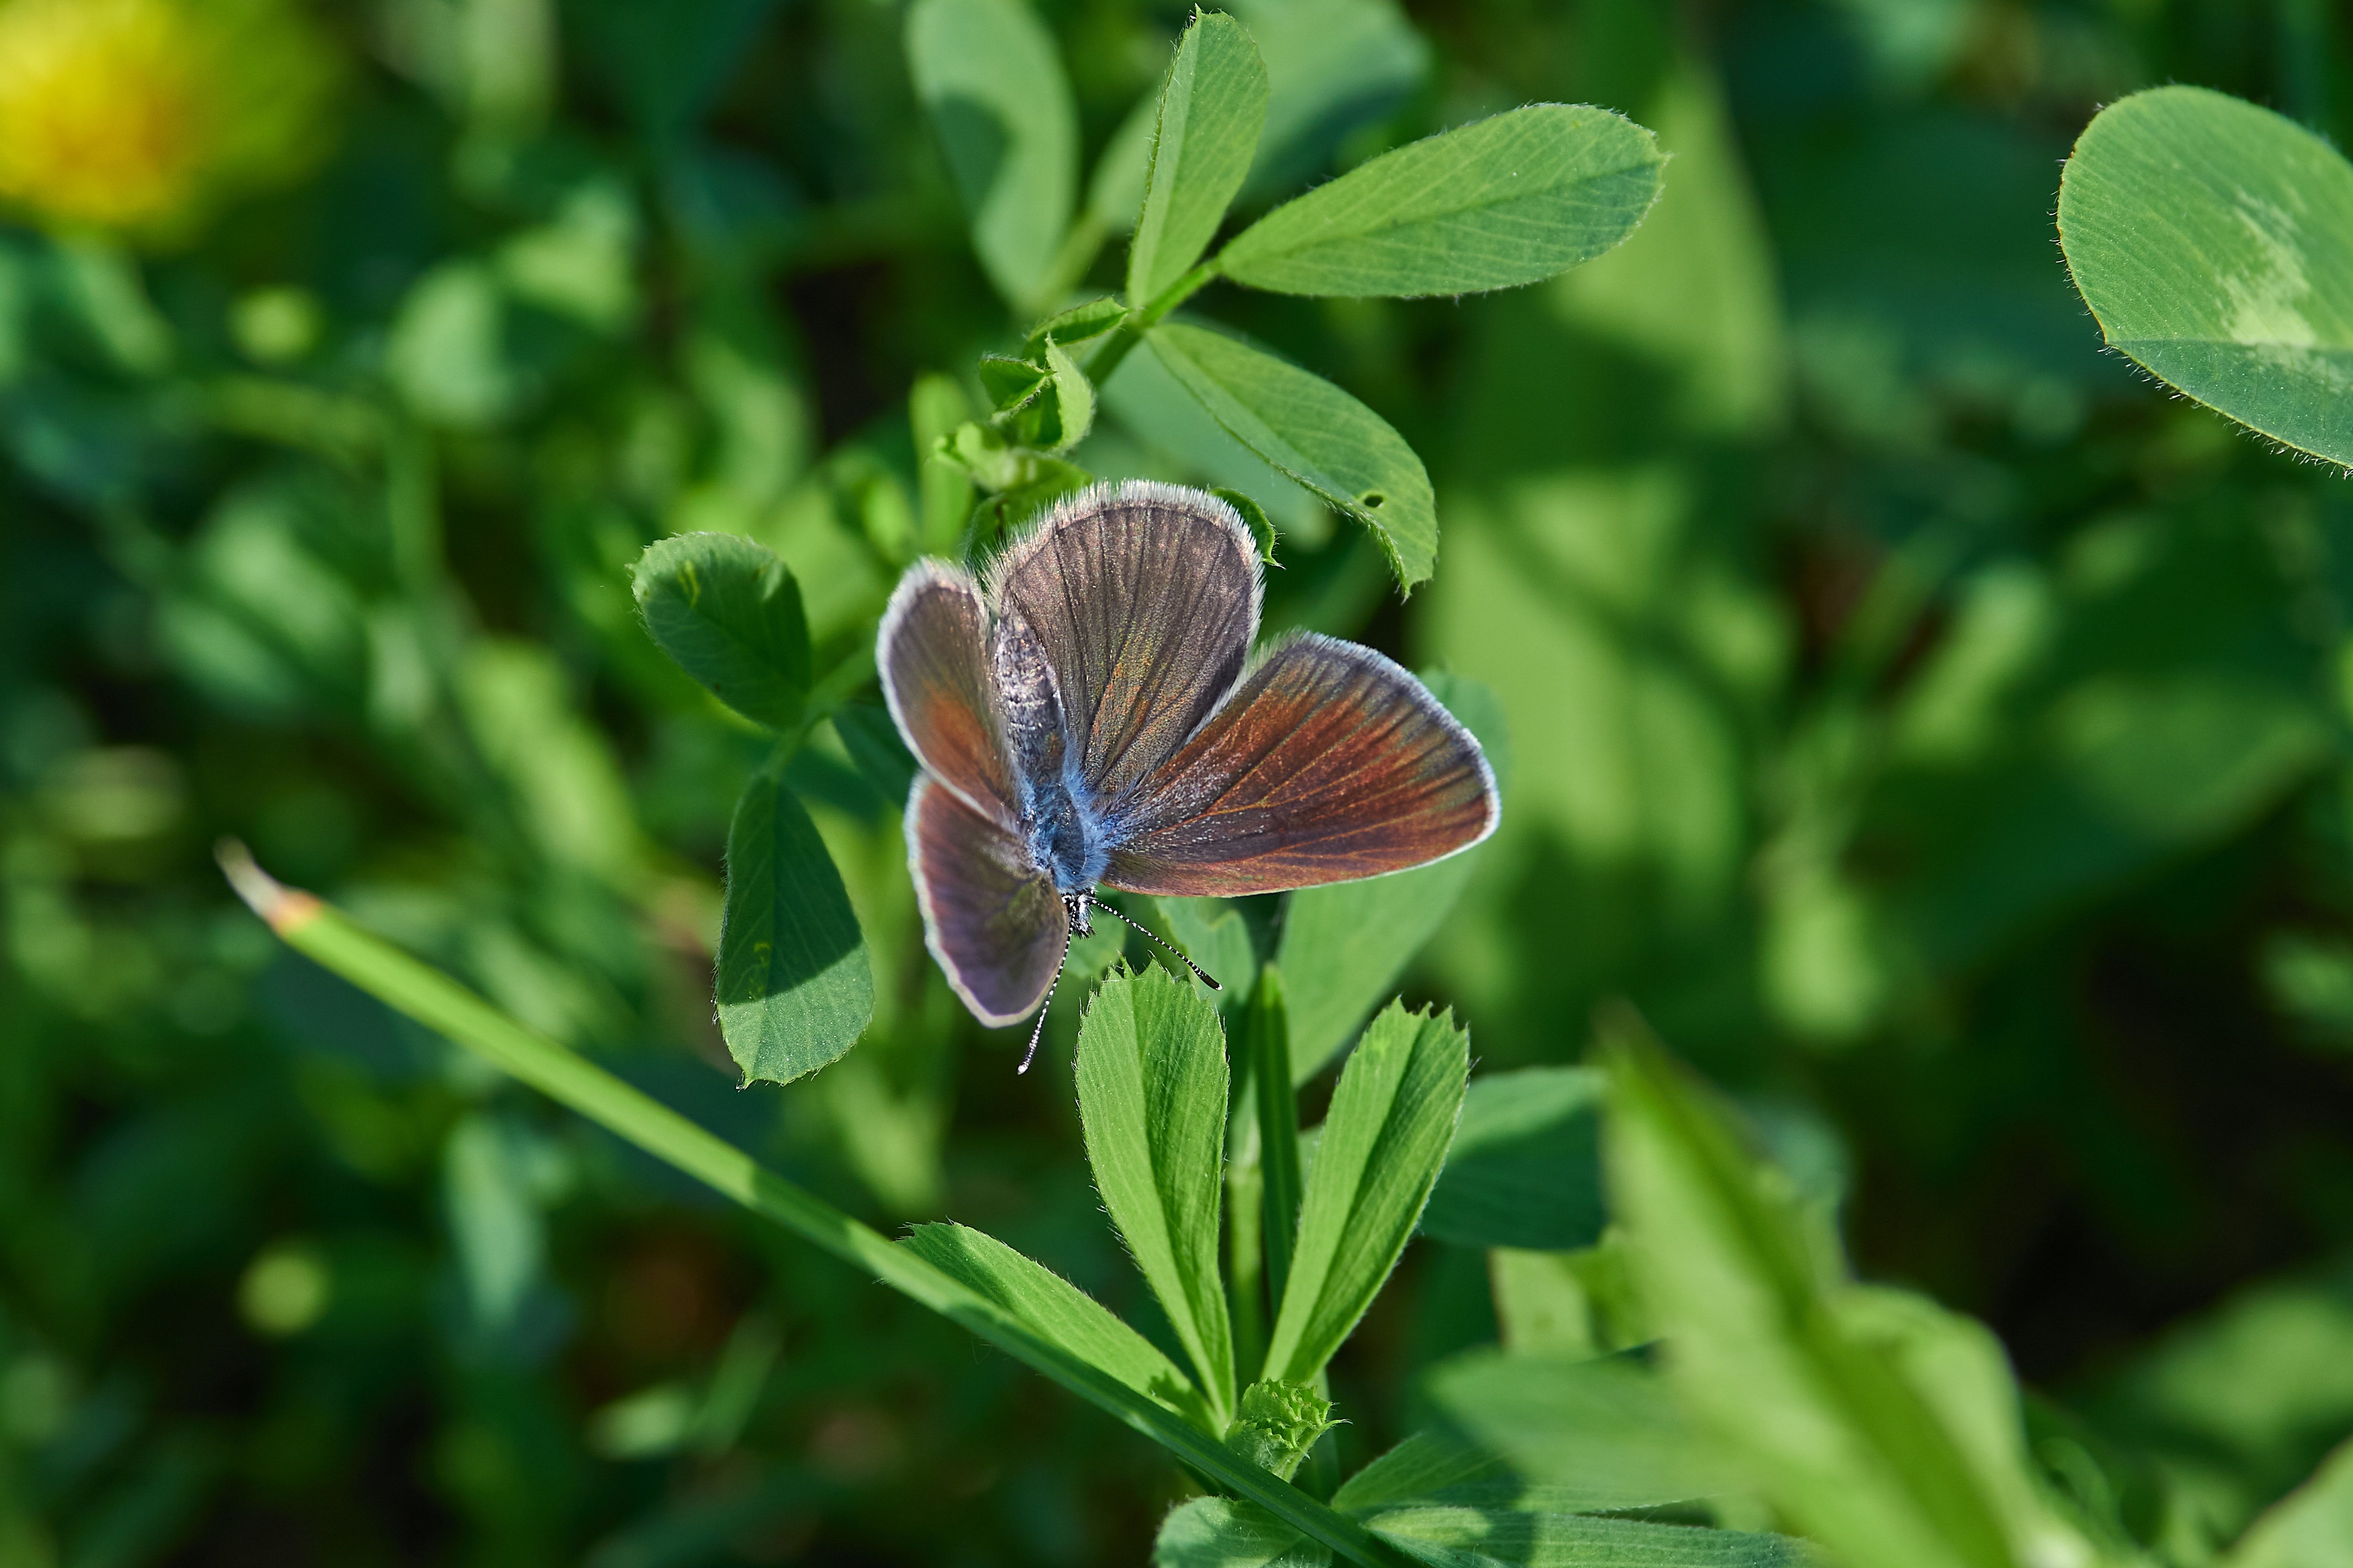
[(1059, 825)]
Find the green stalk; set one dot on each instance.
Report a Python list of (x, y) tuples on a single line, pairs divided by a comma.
[(1266, 1026), (840, 683), (1130, 333), (825, 699), (326, 936), (1245, 1256), (1115, 348)]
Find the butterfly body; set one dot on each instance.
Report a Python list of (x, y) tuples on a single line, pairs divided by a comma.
[(1088, 716), (1058, 819)]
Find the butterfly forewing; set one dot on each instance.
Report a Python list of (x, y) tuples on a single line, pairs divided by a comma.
[(1145, 601), (1330, 763), (933, 658), (995, 925)]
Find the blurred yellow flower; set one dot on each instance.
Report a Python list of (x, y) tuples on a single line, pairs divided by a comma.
[(137, 114)]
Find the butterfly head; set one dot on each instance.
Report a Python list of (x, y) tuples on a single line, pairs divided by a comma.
[(1076, 908)]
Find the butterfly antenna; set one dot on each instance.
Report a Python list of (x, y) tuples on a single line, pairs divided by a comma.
[(1200, 974), (1037, 1030)]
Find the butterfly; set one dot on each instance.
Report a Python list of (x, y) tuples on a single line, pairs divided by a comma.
[(1088, 715)]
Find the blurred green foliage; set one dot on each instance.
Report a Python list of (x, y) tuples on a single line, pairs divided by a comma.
[(1935, 732)]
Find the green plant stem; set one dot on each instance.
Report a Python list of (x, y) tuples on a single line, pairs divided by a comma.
[(1245, 1251), (1130, 333), (326, 936), (1176, 293), (825, 699), (1115, 348), (842, 682), (1267, 1029)]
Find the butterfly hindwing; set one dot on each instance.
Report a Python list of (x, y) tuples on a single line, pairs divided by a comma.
[(1330, 763), (996, 926), (1143, 600), (933, 658)]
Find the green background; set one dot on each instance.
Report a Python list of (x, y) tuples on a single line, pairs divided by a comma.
[(1938, 733)]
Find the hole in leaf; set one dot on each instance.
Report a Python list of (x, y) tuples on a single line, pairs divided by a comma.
[(1372, 500)]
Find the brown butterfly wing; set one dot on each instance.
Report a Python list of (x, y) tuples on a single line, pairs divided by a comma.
[(1330, 763), (995, 925), (933, 657), (1144, 600)]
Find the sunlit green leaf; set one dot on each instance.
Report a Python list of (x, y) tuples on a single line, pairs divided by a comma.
[(1463, 1537), (1313, 432), (1439, 1465), (1217, 1533), (1778, 1360), (1392, 1116), (795, 990), (1580, 1301), (1506, 201), (1961, 1371), (1443, 1501), (1152, 1100), (2213, 241), (1572, 1433), (1212, 1532), (730, 613), (1525, 1170), (1053, 1308), (1211, 109), (988, 75)]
